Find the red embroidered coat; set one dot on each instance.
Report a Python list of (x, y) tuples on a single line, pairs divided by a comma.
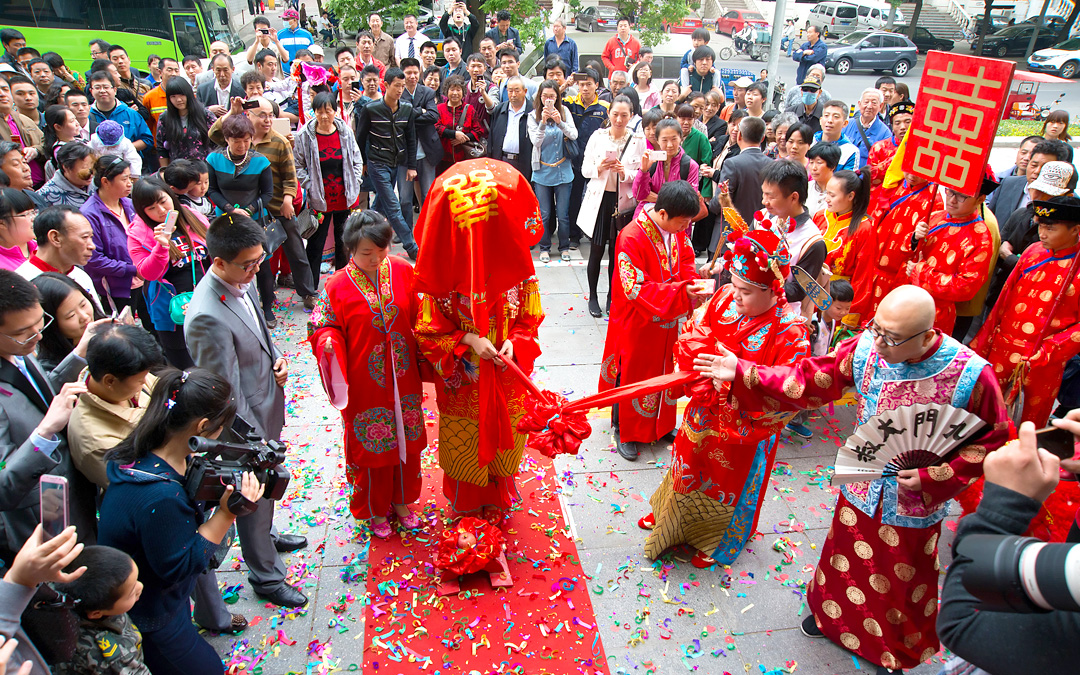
[(648, 299), (1017, 319), (894, 214), (881, 155), (371, 374), (951, 262)]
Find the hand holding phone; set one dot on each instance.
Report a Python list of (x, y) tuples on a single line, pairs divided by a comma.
[(1056, 441), (658, 155)]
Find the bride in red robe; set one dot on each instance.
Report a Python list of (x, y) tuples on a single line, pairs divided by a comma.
[(479, 301), (361, 333)]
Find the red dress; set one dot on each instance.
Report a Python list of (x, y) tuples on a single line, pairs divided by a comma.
[(843, 248), (646, 305), (447, 126), (372, 376), (711, 496), (951, 262), (1017, 319), (894, 214), (875, 589)]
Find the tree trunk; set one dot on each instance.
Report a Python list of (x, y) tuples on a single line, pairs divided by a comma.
[(1063, 34), (893, 5), (985, 28), (914, 19)]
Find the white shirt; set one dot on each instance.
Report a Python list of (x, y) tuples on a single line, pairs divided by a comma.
[(815, 199), (512, 141), (222, 94), (401, 45), (241, 294)]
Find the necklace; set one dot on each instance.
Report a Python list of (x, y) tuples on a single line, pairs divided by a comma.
[(228, 153)]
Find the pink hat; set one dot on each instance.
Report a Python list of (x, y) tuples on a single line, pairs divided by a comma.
[(290, 14)]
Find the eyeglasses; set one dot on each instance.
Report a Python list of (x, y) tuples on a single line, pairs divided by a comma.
[(251, 266), (955, 196), (46, 320), (875, 330)]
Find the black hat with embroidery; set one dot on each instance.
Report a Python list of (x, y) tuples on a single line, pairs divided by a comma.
[(904, 107), (1065, 208)]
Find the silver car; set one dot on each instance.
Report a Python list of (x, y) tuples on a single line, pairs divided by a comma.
[(877, 51)]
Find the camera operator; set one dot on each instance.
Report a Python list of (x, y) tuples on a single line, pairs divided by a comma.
[(147, 514), (1019, 476)]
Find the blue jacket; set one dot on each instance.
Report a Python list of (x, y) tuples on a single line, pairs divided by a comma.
[(820, 52), (147, 514), (293, 41), (567, 51), (878, 131), (135, 128), (512, 35)]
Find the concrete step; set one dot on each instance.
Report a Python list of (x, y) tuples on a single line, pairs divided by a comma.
[(933, 19)]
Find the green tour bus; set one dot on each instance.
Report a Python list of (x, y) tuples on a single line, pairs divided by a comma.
[(176, 28)]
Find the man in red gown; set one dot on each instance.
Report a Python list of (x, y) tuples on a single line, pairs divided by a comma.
[(881, 155), (875, 589), (723, 456), (657, 286), (1043, 287), (893, 214), (952, 255)]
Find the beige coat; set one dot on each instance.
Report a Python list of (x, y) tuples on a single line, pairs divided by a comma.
[(97, 426)]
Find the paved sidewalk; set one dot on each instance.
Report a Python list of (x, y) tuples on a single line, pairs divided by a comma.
[(740, 620)]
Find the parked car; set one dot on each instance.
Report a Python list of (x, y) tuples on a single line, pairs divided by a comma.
[(997, 22), (1062, 59), (686, 27), (1014, 39), (834, 18), (423, 17), (597, 18), (877, 51), (734, 21), (925, 40)]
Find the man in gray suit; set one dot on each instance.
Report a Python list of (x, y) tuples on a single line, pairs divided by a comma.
[(742, 173), (33, 418), (226, 333), (1012, 194)]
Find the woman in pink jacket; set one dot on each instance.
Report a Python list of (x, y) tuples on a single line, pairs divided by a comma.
[(170, 254)]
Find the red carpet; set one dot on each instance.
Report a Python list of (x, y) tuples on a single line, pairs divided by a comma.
[(544, 623)]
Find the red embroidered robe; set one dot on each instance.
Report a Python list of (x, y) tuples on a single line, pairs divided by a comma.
[(371, 372), (646, 305), (1022, 310), (894, 214), (951, 262)]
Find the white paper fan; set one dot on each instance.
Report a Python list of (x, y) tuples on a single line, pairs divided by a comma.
[(911, 437)]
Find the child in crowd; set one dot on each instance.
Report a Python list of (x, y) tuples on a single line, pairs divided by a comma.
[(826, 330), (109, 643), (109, 139), (190, 179)]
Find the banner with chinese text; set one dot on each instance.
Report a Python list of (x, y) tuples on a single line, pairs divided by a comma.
[(956, 118)]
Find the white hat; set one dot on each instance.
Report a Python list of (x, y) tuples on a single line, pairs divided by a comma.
[(316, 49), (743, 82), (1055, 178)]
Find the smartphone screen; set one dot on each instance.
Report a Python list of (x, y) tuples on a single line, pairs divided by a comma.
[(54, 506), (356, 86), (1057, 441), (251, 105)]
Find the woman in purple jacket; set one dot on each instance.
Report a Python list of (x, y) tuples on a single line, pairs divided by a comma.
[(110, 214)]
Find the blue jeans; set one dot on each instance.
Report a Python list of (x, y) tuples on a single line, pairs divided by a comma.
[(560, 194), (385, 178)]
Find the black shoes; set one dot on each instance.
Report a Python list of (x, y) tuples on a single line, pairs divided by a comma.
[(628, 450), (287, 543), (594, 307), (284, 596), (809, 628), (271, 321)]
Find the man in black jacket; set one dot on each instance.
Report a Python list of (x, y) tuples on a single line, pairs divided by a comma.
[(513, 148), (389, 152), (425, 114)]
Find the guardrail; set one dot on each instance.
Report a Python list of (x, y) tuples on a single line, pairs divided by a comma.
[(960, 16)]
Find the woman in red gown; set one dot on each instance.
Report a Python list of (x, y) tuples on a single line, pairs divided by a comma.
[(361, 333)]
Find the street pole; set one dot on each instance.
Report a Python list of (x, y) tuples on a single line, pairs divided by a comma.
[(1035, 33), (774, 48)]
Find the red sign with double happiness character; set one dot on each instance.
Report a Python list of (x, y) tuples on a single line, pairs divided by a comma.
[(956, 117)]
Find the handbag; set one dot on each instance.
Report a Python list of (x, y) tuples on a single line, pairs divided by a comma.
[(473, 149), (306, 223), (52, 625), (275, 231), (179, 303)]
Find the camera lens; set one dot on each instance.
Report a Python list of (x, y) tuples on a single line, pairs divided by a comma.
[(1021, 574)]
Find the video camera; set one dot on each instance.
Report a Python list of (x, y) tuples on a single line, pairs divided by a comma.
[(1009, 573), (223, 461)]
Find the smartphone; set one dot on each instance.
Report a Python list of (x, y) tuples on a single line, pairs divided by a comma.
[(251, 105), (580, 77), (612, 155), (264, 31), (658, 155), (356, 86), (125, 316), (1057, 441), (170, 221), (549, 104), (54, 505)]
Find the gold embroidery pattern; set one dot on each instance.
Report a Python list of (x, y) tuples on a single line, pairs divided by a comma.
[(472, 198)]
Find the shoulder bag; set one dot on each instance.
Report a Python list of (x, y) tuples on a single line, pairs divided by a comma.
[(179, 303), (621, 218), (472, 149)]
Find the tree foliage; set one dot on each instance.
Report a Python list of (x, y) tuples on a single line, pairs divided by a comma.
[(353, 14), (529, 17)]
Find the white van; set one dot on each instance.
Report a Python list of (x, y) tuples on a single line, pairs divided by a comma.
[(840, 17)]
